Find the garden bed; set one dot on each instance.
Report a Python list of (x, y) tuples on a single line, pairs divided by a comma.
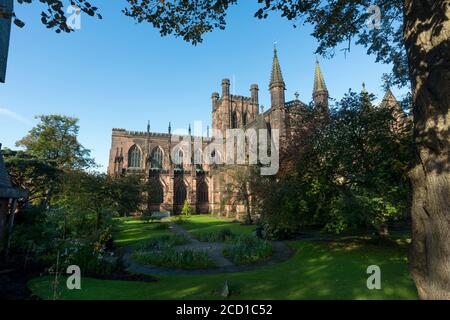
[(172, 258), (248, 250)]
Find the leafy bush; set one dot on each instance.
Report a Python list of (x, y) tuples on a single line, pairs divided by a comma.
[(147, 217), (186, 210), (163, 242), (162, 226), (224, 235), (247, 250), (171, 258)]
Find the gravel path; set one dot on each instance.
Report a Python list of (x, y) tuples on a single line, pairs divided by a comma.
[(214, 249)]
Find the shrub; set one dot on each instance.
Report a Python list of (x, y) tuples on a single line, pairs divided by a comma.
[(162, 226), (247, 250), (163, 242), (224, 235), (186, 210), (171, 258), (147, 217)]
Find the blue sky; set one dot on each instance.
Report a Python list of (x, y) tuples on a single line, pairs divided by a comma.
[(114, 73)]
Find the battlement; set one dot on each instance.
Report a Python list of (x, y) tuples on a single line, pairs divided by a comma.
[(143, 134), (238, 97), (120, 131)]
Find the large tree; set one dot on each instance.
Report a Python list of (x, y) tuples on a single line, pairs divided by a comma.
[(413, 36), (55, 139)]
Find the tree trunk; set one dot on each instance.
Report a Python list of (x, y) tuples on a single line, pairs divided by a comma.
[(427, 39)]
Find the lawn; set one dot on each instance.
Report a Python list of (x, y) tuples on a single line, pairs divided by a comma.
[(317, 270), (207, 224), (131, 230)]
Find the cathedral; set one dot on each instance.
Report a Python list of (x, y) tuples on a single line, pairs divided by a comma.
[(152, 154)]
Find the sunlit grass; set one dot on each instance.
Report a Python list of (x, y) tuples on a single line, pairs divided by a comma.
[(131, 230), (207, 224)]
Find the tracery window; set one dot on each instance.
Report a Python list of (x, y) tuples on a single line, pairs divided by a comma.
[(134, 157), (156, 158)]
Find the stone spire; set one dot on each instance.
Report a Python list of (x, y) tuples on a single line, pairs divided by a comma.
[(276, 77), (320, 91), (319, 82), (390, 102), (277, 86), (389, 97)]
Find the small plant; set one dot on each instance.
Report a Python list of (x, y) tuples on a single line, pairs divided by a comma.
[(162, 226), (186, 210), (171, 258), (224, 235), (161, 243), (247, 250)]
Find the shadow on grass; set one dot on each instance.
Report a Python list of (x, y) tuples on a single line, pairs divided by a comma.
[(316, 271)]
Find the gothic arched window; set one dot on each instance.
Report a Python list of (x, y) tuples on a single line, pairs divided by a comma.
[(215, 158), (234, 120), (269, 139), (156, 158), (134, 157), (198, 158), (180, 192), (202, 192), (179, 155), (269, 129)]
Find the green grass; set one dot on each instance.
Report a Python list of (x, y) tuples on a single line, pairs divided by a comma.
[(203, 224), (316, 271), (131, 231)]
